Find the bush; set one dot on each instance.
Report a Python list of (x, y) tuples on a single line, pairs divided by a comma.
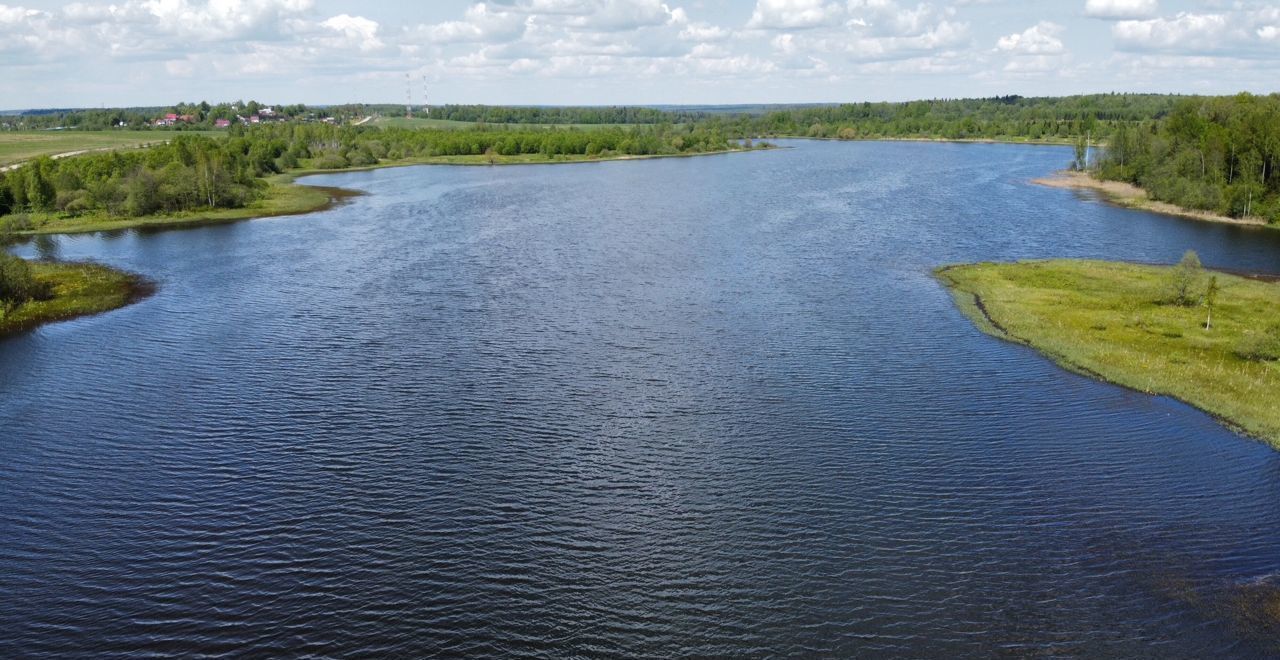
[(17, 284), (1260, 347), (1184, 278), (331, 161)]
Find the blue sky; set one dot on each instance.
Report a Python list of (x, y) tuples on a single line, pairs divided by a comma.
[(152, 52)]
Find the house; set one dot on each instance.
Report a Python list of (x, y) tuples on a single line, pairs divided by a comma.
[(255, 119), (222, 123)]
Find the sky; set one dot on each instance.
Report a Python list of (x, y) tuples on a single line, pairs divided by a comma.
[(91, 53)]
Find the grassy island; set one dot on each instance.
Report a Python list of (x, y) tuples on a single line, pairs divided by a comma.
[(58, 291), (1142, 327)]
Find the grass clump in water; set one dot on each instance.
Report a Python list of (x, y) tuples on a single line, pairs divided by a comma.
[(35, 293), (1127, 323)]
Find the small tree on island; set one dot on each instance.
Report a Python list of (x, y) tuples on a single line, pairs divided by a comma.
[(1183, 279), (1210, 299), (1081, 162)]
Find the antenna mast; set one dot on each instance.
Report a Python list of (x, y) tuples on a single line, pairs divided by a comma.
[(408, 96)]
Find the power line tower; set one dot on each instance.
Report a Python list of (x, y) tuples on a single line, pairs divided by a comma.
[(426, 105)]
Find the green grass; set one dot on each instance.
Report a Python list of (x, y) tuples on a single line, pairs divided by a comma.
[(18, 146), (78, 289), (1112, 321)]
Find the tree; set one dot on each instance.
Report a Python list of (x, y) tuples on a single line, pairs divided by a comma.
[(1210, 299), (17, 284), (1183, 278), (1081, 155)]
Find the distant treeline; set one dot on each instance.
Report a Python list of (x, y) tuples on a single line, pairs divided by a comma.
[(1218, 154), (1006, 117), (494, 114), (198, 172)]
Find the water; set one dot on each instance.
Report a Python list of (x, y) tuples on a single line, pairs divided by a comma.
[(699, 406)]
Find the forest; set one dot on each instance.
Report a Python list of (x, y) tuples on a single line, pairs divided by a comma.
[(998, 118), (1216, 154)]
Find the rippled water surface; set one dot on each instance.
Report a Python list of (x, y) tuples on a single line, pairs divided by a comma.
[(702, 406)]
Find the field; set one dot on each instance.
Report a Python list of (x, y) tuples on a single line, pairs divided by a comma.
[(18, 146), (1115, 321)]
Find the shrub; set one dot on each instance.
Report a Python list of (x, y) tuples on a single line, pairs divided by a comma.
[(1261, 346), (1183, 280), (17, 284)]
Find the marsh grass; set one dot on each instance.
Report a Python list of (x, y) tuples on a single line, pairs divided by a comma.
[(1114, 321), (75, 289)]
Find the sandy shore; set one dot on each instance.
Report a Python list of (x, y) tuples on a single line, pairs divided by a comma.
[(1132, 196)]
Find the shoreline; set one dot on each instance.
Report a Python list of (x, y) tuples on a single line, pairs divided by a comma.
[(287, 197), (1109, 358), (80, 289), (1130, 196)]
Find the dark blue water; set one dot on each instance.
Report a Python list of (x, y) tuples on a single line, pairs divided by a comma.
[(703, 406)]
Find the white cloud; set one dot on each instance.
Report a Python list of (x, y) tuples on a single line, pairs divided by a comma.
[(1185, 31), (1039, 39), (793, 14), (1121, 8)]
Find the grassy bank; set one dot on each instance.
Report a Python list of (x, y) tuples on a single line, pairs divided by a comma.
[(283, 197), (1115, 321), (1131, 196), (77, 289)]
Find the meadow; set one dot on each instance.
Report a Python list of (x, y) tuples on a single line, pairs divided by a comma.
[(1119, 322)]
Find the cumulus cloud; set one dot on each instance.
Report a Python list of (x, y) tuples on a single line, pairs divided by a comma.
[(1121, 8), (1243, 33), (679, 44), (793, 14), (1039, 39)]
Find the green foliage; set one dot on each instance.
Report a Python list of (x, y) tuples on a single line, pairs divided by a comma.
[(1002, 118), (1184, 279), (189, 172), (1210, 299), (1261, 346), (17, 284), (1217, 154)]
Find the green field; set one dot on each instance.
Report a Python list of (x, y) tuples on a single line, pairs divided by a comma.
[(77, 289), (1116, 322), (18, 146)]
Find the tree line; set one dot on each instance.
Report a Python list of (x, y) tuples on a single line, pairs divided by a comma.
[(494, 114), (1216, 154), (194, 172), (998, 118)]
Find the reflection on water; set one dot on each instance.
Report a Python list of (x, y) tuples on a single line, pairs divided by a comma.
[(710, 406)]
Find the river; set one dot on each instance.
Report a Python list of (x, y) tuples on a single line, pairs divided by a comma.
[(695, 406)]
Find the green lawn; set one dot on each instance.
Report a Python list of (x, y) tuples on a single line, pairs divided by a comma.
[(1113, 321), (78, 289), (18, 146)]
